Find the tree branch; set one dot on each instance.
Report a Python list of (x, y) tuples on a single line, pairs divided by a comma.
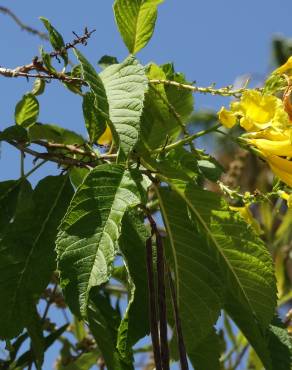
[(23, 26)]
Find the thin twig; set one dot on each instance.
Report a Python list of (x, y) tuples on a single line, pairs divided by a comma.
[(49, 302), (54, 157), (152, 305), (187, 139), (180, 338), (23, 26), (42, 71), (223, 91)]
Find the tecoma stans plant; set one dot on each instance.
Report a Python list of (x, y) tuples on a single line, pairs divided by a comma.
[(140, 213)]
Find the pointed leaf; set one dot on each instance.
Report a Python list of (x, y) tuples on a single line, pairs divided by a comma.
[(125, 86), (54, 133), (103, 323), (132, 243), (27, 111), (119, 94), (86, 244), (136, 21), (160, 123), (95, 124), (56, 39), (245, 263), (27, 250), (199, 288)]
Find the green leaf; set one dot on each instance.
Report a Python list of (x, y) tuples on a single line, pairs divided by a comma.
[(95, 124), (135, 324), (84, 362), (103, 322), (55, 134), (160, 123), (245, 263), (25, 359), (27, 250), (38, 86), (119, 93), (95, 83), (17, 133), (181, 99), (9, 193), (86, 244), (136, 21), (210, 168), (27, 111), (56, 39), (35, 332), (125, 86), (106, 61), (47, 60), (199, 288), (77, 175), (280, 345)]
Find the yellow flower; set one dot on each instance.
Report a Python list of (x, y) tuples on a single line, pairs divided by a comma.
[(281, 168), (246, 214), (106, 137), (226, 117), (272, 142), (256, 112), (281, 148), (287, 197), (285, 68)]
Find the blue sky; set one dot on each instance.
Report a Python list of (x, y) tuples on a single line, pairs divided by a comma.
[(210, 41)]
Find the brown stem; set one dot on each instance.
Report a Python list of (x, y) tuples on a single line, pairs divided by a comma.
[(152, 305), (162, 301), (181, 345)]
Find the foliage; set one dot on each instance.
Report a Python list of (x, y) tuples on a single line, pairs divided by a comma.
[(139, 211)]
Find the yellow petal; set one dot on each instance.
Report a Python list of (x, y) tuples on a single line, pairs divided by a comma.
[(270, 134), (282, 148), (287, 197), (285, 68), (106, 137), (248, 217), (258, 111), (281, 167), (226, 117)]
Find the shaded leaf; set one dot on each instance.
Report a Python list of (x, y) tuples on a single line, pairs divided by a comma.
[(199, 288), (54, 133), (95, 124), (244, 261), (135, 324), (107, 60), (35, 332), (17, 133), (86, 244), (23, 269), (103, 322)]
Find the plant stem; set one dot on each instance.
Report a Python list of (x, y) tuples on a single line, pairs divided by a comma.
[(21, 164), (162, 301), (181, 345), (223, 91), (152, 305), (187, 140)]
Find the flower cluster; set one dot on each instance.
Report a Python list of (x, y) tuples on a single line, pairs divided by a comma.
[(267, 120)]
